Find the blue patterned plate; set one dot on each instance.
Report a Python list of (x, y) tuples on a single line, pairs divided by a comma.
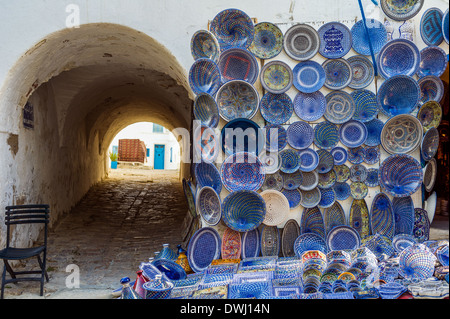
[(402, 241), (433, 61), (353, 133), (205, 45), (273, 181), (327, 180), (238, 64), (342, 190), (233, 28), (250, 290), (290, 161), (301, 42), (309, 76), (340, 155), (359, 218), (416, 262), (312, 222), (340, 107), (371, 155), (356, 155), (358, 190), (430, 115), (377, 36), (401, 134), (342, 173), (430, 144), (270, 240), (242, 171), (243, 211), (404, 215), (327, 198), (309, 241), (421, 225), (204, 76), (310, 106), (326, 135), (206, 110), (445, 26), (309, 160), (310, 181), (326, 161), (250, 246), (300, 135), (294, 197), (429, 175), (204, 247), (366, 107), (432, 89), (206, 174), (363, 72), (271, 161), (334, 216), (372, 177), (170, 269), (343, 238), (398, 57), (382, 216), (310, 199), (358, 173), (237, 99), (276, 138), (242, 135), (292, 181), (338, 73), (335, 40), (431, 26), (276, 108), (399, 94), (276, 77), (400, 175), (206, 144), (401, 10), (267, 41), (209, 206), (374, 129)]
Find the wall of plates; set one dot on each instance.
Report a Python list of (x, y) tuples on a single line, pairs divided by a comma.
[(328, 137)]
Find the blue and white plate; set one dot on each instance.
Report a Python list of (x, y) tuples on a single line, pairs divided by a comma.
[(399, 94), (356, 155), (371, 154), (276, 77), (250, 246), (206, 110), (312, 221), (340, 155), (358, 173), (301, 42), (377, 35), (205, 45), (309, 160), (238, 64), (233, 28), (276, 108), (433, 61), (300, 135), (342, 173), (276, 137), (431, 26), (326, 161), (400, 10), (342, 190), (374, 129), (430, 144), (209, 206), (343, 238), (402, 134), (404, 215), (267, 41), (309, 76), (206, 174), (292, 181), (242, 135), (398, 57), (366, 107), (353, 133), (338, 72), (294, 197), (327, 198), (363, 71), (382, 214), (445, 26), (309, 241), (372, 177), (237, 99), (204, 247), (242, 171), (432, 89), (310, 199), (243, 211), (335, 40), (326, 135), (204, 76), (290, 161), (340, 107), (310, 106)]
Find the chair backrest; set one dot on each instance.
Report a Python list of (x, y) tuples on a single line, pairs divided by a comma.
[(27, 214)]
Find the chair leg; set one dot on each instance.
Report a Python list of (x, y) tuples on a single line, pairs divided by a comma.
[(3, 280), (9, 269)]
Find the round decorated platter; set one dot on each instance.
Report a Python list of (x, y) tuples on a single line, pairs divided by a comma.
[(372, 177), (404, 215), (271, 162), (310, 106), (293, 180), (377, 36), (363, 72), (276, 77), (398, 57), (237, 99), (294, 197), (358, 190), (277, 207), (353, 133), (233, 28), (300, 135), (342, 190), (430, 115), (204, 76), (309, 159), (338, 73), (309, 76), (374, 129), (432, 88), (310, 180), (356, 155), (343, 238), (326, 135), (340, 155), (243, 211), (310, 199), (209, 206), (205, 45), (207, 174), (205, 144), (326, 161), (335, 40), (273, 181), (276, 108), (340, 107), (429, 175), (204, 247), (399, 94), (400, 10), (327, 198), (206, 110), (301, 42), (242, 171), (309, 241), (290, 161), (382, 216), (276, 137), (431, 26), (401, 134), (267, 41), (430, 144), (433, 61), (445, 26), (366, 107), (342, 173), (242, 135)]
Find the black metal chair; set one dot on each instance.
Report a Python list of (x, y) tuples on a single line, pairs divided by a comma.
[(25, 214)]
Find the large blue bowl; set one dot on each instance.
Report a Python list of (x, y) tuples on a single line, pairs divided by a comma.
[(243, 211), (399, 94), (204, 77)]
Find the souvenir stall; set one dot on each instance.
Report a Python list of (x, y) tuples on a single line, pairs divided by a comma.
[(314, 161)]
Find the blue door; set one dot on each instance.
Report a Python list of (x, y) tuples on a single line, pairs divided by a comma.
[(159, 156)]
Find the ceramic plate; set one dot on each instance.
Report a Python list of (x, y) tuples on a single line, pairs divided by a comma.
[(374, 129), (342, 173), (431, 26), (353, 133), (276, 77), (271, 161), (404, 215), (342, 190), (340, 107), (203, 248), (310, 106), (301, 42), (433, 61), (377, 36), (398, 57), (327, 180), (276, 108), (399, 94), (205, 45), (206, 174), (363, 72), (326, 135), (309, 76), (310, 181), (309, 159), (338, 73), (382, 216), (242, 171), (231, 244), (432, 88), (429, 175), (237, 99), (242, 135), (294, 197), (340, 155), (430, 115), (292, 181), (356, 155), (291, 231), (233, 28), (273, 181), (310, 199), (366, 107), (430, 144), (327, 198), (343, 238), (206, 110), (335, 40), (238, 64), (267, 41), (204, 76), (209, 205), (372, 177), (270, 241), (250, 244), (309, 241), (401, 134), (276, 137), (326, 161), (371, 155), (277, 207), (312, 222), (334, 216), (445, 26), (400, 10), (421, 225), (358, 190), (300, 135), (358, 173), (206, 144), (243, 211), (290, 161), (359, 218)]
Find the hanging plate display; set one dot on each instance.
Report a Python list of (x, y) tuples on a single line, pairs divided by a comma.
[(335, 40), (206, 174), (310, 181), (231, 244), (398, 57), (267, 41), (356, 155), (293, 180), (400, 10), (276, 137), (432, 88), (309, 241), (358, 190), (372, 177), (429, 175), (237, 99), (377, 35), (294, 197), (312, 222), (400, 175), (404, 215), (431, 26), (233, 28), (342, 173), (209, 206), (291, 231), (359, 218), (430, 115), (430, 144), (309, 76), (276, 77), (363, 72), (338, 73), (206, 110), (382, 216), (445, 26), (290, 161), (270, 241), (310, 199), (398, 95), (277, 207), (326, 161), (327, 198), (204, 77), (310, 106), (300, 135), (250, 244), (371, 155), (401, 134), (433, 61), (374, 129), (205, 45), (334, 216), (301, 42), (276, 108), (242, 135), (242, 171), (271, 162), (204, 247), (366, 107), (421, 230), (340, 107), (340, 155), (342, 190), (309, 159), (243, 211), (343, 238), (353, 133), (273, 181), (326, 135)]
